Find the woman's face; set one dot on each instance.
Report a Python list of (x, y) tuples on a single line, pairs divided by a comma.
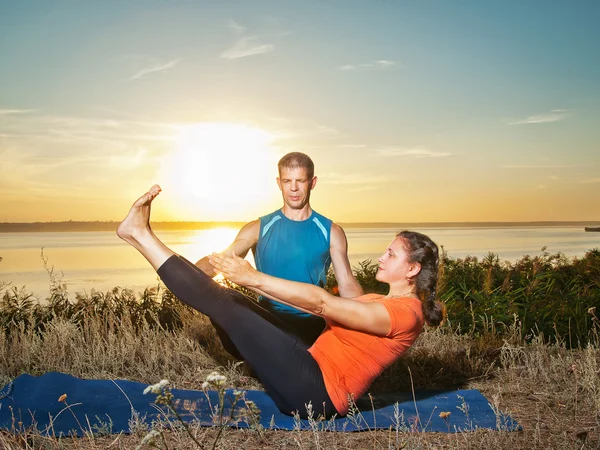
[(394, 264)]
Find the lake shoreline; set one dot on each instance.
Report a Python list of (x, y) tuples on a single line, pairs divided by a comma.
[(101, 260), (81, 226)]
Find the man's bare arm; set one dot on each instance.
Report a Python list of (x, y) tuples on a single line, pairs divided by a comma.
[(338, 249), (243, 242)]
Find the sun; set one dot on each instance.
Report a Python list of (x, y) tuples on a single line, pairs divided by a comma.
[(222, 169)]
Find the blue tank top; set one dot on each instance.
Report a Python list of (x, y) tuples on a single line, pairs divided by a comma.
[(294, 250)]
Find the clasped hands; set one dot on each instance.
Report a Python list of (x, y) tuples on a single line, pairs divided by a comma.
[(233, 268)]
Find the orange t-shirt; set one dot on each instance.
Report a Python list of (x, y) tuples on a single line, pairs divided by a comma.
[(350, 360)]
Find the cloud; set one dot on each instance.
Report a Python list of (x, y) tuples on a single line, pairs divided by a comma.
[(158, 67), (362, 189), (254, 44), (246, 46), (350, 179), (354, 182), (63, 155), (129, 160), (553, 116), (293, 128), (236, 27), (6, 112), (415, 152), (381, 64), (36, 132), (324, 129), (351, 146), (525, 166)]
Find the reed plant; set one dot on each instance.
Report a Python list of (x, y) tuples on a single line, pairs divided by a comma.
[(550, 294)]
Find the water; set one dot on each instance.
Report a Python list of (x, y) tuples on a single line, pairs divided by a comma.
[(101, 261)]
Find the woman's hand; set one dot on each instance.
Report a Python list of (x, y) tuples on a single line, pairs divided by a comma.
[(233, 268)]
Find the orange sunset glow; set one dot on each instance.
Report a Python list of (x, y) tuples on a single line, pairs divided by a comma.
[(410, 114)]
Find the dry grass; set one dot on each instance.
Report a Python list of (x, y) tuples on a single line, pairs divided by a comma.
[(110, 348), (553, 391)]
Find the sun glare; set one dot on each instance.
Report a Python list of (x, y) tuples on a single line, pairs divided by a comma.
[(224, 169), (204, 242)]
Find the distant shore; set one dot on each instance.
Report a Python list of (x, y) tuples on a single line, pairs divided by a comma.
[(70, 226)]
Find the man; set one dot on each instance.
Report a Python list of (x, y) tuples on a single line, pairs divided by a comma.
[(295, 243)]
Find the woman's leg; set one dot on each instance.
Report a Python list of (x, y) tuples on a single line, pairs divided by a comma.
[(306, 328), (281, 361)]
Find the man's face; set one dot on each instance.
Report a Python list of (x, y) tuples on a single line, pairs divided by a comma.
[(295, 186)]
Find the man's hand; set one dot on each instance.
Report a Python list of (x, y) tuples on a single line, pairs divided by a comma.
[(245, 240), (233, 268)]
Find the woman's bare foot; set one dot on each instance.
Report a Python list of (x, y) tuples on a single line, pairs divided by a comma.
[(136, 225), (135, 230)]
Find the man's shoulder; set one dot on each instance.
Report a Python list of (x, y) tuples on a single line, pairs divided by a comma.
[(338, 236), (264, 223), (322, 218), (270, 216), (249, 232)]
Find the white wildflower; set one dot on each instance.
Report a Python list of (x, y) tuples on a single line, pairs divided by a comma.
[(252, 407), (216, 379), (149, 389), (157, 388), (149, 438), (238, 393), (205, 385)]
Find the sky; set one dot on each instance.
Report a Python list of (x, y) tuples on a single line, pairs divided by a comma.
[(413, 111)]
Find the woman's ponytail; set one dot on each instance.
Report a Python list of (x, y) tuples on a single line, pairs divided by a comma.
[(421, 249)]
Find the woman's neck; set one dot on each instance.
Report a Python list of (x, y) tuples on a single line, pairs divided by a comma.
[(402, 290)]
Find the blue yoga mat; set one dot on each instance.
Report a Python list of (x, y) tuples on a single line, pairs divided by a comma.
[(107, 406)]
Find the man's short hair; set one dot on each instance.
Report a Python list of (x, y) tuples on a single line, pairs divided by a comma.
[(297, 160)]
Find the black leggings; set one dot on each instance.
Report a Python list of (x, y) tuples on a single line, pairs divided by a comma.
[(308, 329), (288, 372)]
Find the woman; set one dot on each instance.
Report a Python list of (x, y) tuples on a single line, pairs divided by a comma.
[(363, 335)]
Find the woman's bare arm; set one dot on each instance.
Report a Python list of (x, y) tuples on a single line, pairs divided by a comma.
[(370, 317)]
